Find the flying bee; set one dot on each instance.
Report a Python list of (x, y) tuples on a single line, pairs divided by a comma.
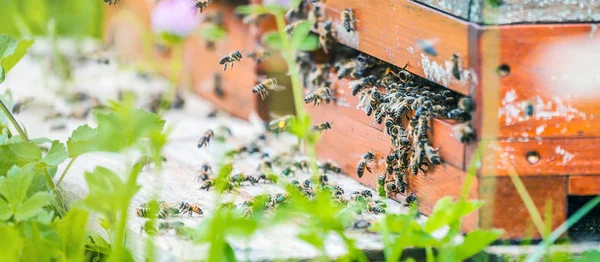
[(363, 164), (259, 55), (230, 58), (207, 185), (240, 178), (456, 66), (464, 132), (359, 84), (432, 155), (349, 21), (466, 103), (111, 2), (218, 83), (321, 94), (201, 4), (265, 86), (187, 208), (281, 124), (205, 139), (20, 105), (301, 165), (326, 37), (322, 126), (330, 166)]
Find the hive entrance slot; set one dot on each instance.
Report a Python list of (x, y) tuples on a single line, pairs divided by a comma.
[(588, 227)]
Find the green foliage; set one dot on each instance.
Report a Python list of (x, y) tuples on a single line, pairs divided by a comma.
[(18, 154), (252, 10), (273, 40), (302, 39), (213, 32), (589, 256), (106, 191), (11, 51), (15, 203), (118, 129), (72, 232)]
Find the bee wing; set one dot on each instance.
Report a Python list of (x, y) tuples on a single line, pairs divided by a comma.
[(277, 88)]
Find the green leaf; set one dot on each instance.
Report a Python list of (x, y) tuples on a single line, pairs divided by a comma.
[(41, 140), (252, 10), (476, 241), (301, 31), (273, 40), (82, 141), (313, 239), (14, 186), (33, 206), (11, 243), (229, 252), (591, 255), (56, 155), (213, 32), (106, 189), (2, 75), (12, 51), (72, 233), (18, 154), (5, 212), (446, 213), (310, 43)]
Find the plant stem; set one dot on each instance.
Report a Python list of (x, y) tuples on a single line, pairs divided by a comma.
[(130, 185), (288, 55), (61, 202), (62, 176), (13, 121), (527, 200)]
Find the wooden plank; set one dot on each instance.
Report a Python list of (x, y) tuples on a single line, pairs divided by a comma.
[(204, 65), (584, 185), (556, 157), (391, 29), (125, 25), (349, 140), (504, 208), (552, 72), (451, 150), (526, 11)]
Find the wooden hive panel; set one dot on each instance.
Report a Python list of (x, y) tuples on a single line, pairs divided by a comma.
[(504, 208), (584, 185), (391, 29)]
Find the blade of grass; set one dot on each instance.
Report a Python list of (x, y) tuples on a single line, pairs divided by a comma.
[(541, 249), (471, 172), (531, 208)]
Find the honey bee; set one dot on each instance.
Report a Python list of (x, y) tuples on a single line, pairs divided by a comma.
[(347, 69), (111, 2), (315, 15), (259, 55), (464, 132), (330, 166), (205, 139), (287, 171), (363, 164), (323, 180), (22, 104), (307, 184), (168, 225), (230, 58), (204, 172), (144, 211), (458, 114), (218, 83), (301, 165), (53, 115), (466, 103), (265, 86), (321, 94), (411, 200), (237, 151), (319, 74), (201, 4), (456, 66), (270, 178), (240, 178), (375, 208), (529, 109), (207, 185), (390, 162), (361, 224), (326, 37), (322, 126), (432, 155), (187, 208), (349, 21), (280, 124), (277, 199), (359, 84), (399, 136)]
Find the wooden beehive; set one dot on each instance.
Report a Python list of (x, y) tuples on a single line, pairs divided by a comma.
[(507, 63)]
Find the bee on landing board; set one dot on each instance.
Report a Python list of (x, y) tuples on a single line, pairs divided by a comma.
[(265, 86), (349, 21), (201, 4), (230, 59), (322, 126), (187, 208), (205, 139)]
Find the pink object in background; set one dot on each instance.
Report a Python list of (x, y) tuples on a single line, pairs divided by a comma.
[(175, 17)]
